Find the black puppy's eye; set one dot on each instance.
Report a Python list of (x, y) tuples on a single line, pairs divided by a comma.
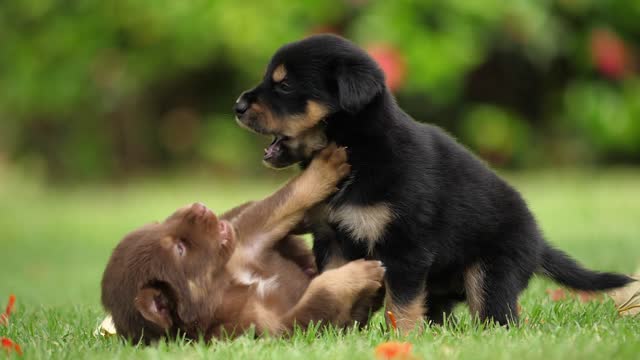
[(180, 248), (284, 87)]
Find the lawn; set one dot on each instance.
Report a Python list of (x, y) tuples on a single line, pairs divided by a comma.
[(54, 245)]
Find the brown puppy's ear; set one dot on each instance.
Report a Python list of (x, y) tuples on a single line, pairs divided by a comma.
[(358, 84), (153, 305)]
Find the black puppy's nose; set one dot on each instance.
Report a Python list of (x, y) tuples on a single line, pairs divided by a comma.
[(241, 105)]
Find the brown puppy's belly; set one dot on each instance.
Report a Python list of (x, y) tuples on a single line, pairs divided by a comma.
[(290, 283)]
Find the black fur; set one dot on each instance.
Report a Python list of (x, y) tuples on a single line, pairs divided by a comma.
[(452, 211)]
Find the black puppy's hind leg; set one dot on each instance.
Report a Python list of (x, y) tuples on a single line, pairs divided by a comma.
[(406, 297), (439, 307), (492, 290)]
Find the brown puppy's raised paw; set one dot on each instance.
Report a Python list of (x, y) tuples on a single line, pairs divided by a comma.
[(324, 173), (329, 166)]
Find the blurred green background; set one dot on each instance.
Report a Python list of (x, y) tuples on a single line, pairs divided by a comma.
[(106, 90)]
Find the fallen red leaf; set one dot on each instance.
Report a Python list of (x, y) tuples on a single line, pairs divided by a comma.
[(582, 296), (557, 294), (393, 350), (392, 320), (586, 296)]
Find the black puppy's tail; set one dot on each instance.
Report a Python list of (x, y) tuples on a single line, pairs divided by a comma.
[(566, 271)]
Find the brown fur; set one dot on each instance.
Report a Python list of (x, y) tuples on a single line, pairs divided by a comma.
[(200, 275)]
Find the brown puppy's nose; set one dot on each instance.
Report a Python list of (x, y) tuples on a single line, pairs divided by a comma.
[(241, 105)]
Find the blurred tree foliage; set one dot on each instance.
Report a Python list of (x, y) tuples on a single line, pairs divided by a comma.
[(93, 89)]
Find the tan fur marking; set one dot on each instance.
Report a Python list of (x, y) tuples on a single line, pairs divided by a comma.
[(256, 107), (291, 126), (314, 113), (268, 121), (364, 223), (279, 73), (474, 287), (408, 316), (311, 140)]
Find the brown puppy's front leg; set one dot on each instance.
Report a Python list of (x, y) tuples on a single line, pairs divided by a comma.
[(268, 221), (332, 295)]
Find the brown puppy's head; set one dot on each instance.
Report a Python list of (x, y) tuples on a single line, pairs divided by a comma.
[(306, 83), (163, 277)]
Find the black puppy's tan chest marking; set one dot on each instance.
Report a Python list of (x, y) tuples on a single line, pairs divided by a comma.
[(364, 223)]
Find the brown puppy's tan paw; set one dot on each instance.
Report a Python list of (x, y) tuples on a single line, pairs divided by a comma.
[(356, 278), (326, 170), (366, 274)]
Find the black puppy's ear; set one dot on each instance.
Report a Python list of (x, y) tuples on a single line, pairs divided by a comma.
[(358, 84), (153, 304)]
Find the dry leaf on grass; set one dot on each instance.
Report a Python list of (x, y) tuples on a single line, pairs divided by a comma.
[(627, 299), (106, 328)]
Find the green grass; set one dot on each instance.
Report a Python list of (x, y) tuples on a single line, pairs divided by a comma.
[(54, 245)]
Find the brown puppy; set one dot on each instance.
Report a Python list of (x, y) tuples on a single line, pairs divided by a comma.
[(203, 276)]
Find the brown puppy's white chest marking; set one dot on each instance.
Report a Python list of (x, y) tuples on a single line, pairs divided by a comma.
[(364, 223), (263, 286)]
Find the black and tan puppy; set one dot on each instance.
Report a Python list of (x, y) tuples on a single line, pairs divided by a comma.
[(203, 276), (447, 228)]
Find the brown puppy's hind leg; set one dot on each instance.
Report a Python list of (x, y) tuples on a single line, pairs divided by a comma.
[(332, 295)]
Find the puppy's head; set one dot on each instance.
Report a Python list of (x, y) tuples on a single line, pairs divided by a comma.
[(306, 83), (163, 277)]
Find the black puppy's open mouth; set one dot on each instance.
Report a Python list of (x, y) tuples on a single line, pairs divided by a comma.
[(275, 149)]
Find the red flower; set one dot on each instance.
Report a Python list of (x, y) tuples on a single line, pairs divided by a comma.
[(8, 345), (394, 350), (4, 317), (610, 54), (391, 62)]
